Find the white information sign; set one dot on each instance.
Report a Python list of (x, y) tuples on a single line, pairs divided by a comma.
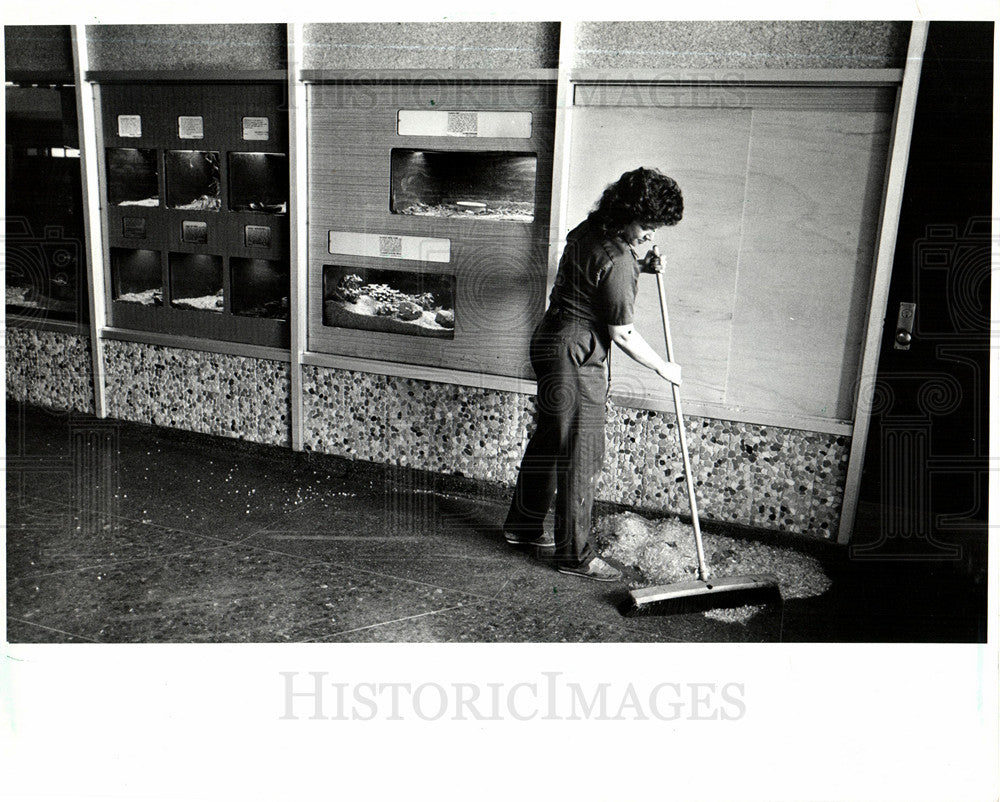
[(129, 125), (190, 128), (497, 124), (256, 128), (391, 246)]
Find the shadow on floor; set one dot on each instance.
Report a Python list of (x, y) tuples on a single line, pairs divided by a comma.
[(125, 533)]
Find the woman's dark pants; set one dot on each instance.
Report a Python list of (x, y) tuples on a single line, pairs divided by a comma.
[(564, 456)]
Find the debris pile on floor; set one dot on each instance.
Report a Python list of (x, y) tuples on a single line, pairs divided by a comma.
[(663, 551)]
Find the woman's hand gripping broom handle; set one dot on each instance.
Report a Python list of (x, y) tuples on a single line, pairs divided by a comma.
[(702, 570)]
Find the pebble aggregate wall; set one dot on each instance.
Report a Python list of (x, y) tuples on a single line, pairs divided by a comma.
[(49, 369), (228, 396), (743, 44), (764, 476)]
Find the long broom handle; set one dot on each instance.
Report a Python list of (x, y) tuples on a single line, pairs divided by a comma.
[(702, 570)]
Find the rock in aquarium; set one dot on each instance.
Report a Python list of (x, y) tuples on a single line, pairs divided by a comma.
[(445, 318), (349, 288), (426, 300), (408, 310)]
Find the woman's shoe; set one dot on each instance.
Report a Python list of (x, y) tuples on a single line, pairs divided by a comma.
[(596, 569), (542, 541)]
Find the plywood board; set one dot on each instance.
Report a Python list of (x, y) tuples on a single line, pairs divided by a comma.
[(813, 193), (705, 151)]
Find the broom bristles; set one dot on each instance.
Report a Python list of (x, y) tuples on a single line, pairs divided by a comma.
[(697, 596)]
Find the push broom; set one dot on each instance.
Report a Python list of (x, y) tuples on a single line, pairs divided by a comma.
[(703, 593)]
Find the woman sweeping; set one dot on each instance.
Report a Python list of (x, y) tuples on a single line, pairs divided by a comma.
[(590, 307)]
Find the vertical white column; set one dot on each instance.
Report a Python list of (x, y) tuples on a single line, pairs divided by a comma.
[(561, 148), (898, 160), (298, 230), (92, 224)]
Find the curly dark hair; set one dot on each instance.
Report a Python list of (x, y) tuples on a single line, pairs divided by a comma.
[(645, 195)]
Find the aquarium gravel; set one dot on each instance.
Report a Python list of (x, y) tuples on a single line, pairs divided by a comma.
[(146, 297), (663, 551)]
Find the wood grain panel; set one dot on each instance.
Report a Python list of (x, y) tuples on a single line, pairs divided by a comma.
[(734, 95), (499, 265), (813, 197), (705, 151), (815, 180), (797, 333)]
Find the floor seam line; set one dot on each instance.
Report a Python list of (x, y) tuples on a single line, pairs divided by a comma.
[(51, 629), (356, 567), (386, 623)]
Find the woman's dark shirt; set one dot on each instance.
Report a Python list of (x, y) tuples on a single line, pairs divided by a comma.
[(596, 282)]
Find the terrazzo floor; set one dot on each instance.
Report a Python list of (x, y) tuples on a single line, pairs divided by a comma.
[(123, 533)]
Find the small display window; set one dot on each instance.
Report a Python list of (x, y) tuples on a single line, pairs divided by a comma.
[(259, 288), (395, 301), (136, 276), (487, 185), (133, 177), (193, 180), (45, 256), (196, 282), (258, 182)]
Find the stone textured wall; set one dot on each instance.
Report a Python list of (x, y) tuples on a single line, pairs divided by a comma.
[(228, 396), (763, 476), (741, 44), (38, 47), (187, 47), (432, 45), (49, 369)]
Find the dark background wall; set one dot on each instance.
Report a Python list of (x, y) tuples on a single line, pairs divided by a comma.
[(933, 399)]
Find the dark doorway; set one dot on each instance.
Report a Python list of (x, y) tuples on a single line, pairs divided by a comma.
[(924, 485)]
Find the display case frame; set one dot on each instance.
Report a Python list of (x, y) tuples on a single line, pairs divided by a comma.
[(202, 114), (499, 266)]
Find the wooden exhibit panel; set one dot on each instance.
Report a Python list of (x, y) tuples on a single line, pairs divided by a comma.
[(498, 265), (705, 151), (768, 274), (814, 189)]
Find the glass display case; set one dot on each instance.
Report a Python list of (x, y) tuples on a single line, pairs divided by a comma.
[(197, 172), (396, 301), (193, 180), (133, 177), (259, 288), (258, 182), (45, 261), (136, 276), (196, 282), (489, 185)]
